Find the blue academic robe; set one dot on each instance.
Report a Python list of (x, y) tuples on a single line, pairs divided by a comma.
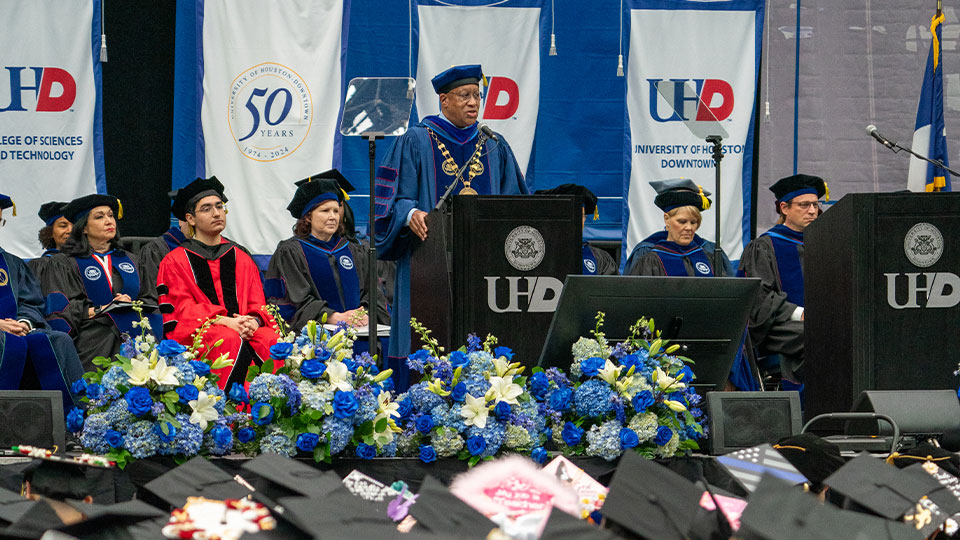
[(46, 354), (410, 176)]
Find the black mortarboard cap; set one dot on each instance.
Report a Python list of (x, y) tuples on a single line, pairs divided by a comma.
[(12, 506), (187, 196), (562, 526), (51, 211), (456, 77), (341, 511), (7, 202), (442, 513), (923, 452), (814, 457), (62, 479), (587, 198), (676, 192), (878, 487), (313, 190), (195, 478), (651, 501), (79, 207), (749, 464), (114, 520), (288, 477), (799, 184), (35, 520)]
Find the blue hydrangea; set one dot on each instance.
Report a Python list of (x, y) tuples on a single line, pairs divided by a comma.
[(94, 432), (480, 361), (604, 440), (477, 385), (213, 390), (593, 398), (185, 373), (315, 396), (368, 406), (266, 386), (389, 449), (340, 433), (276, 442), (423, 399), (443, 370), (494, 433), (449, 416), (114, 377), (118, 415), (446, 442), (141, 440)]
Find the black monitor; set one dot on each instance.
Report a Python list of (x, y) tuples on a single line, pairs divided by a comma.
[(706, 316)]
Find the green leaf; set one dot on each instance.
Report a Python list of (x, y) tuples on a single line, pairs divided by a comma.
[(368, 439), (252, 373), (381, 425), (473, 460), (172, 395), (122, 389), (172, 407), (268, 366), (537, 369)]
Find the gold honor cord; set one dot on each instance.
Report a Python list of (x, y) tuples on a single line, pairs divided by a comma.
[(450, 166)]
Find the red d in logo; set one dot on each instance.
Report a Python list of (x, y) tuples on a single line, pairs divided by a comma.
[(711, 88), (46, 101), (496, 107)]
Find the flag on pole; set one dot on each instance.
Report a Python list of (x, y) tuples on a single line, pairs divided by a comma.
[(929, 136)]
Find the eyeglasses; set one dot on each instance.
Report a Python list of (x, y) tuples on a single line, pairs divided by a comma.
[(467, 96), (207, 208), (807, 205)]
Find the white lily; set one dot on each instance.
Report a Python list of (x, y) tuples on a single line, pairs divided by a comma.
[(475, 411), (665, 381), (385, 407), (502, 389), (610, 372), (203, 409), (139, 371), (675, 405), (164, 374), (501, 365), (338, 375)]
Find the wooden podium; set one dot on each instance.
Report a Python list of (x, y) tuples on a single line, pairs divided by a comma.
[(495, 265), (882, 297)]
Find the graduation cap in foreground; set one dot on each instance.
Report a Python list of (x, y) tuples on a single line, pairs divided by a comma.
[(587, 198), (562, 526), (880, 488), (327, 186), (187, 197), (341, 514), (747, 466), (926, 452), (12, 507), (813, 457), (81, 206), (51, 211), (288, 477), (63, 478), (442, 513), (195, 478), (116, 520)]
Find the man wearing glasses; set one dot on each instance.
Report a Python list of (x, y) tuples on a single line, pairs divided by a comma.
[(420, 166), (776, 257)]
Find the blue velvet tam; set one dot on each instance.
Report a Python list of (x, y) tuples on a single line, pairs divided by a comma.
[(786, 189), (327, 186), (51, 211), (676, 192), (456, 77)]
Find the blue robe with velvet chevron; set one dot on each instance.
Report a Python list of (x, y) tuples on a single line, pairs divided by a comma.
[(410, 176), (43, 358)]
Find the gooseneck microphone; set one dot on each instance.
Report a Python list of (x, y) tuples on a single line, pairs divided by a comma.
[(485, 129), (872, 131)]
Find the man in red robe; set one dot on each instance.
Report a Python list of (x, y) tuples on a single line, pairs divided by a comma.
[(209, 278)]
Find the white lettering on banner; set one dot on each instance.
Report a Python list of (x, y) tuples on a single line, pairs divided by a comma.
[(538, 287), (939, 290)]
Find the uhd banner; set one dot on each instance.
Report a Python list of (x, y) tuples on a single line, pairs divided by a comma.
[(691, 72), (51, 145)]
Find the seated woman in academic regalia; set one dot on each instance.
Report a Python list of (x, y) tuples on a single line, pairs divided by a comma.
[(321, 272), (679, 251), (88, 283), (31, 354), (595, 260), (53, 235), (209, 278)]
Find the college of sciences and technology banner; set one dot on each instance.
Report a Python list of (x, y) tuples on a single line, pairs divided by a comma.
[(51, 144), (505, 41), (691, 69), (260, 102)]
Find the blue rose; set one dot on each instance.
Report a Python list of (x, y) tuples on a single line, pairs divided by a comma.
[(539, 455), (246, 435), (539, 385), (692, 433), (503, 351), (687, 375), (459, 392), (281, 350), (262, 413), (458, 359), (169, 435), (169, 347), (94, 391), (222, 436), (631, 361), (628, 438), (502, 411), (75, 420), (312, 369), (560, 398), (307, 441), (664, 434), (591, 366), (345, 404), (138, 401), (202, 369), (79, 386), (188, 393), (387, 385), (427, 454), (642, 401), (351, 365), (674, 396), (366, 451), (322, 354), (476, 445), (238, 393), (405, 407), (425, 423), (114, 438), (571, 434)]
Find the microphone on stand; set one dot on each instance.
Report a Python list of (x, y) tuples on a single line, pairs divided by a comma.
[(485, 129), (872, 131)]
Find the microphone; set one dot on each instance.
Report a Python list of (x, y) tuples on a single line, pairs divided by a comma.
[(872, 131), (485, 129)]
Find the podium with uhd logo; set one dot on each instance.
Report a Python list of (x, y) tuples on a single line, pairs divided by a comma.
[(882, 296), (506, 257)]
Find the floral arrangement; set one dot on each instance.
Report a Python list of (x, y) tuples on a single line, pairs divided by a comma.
[(322, 401), (635, 395), (153, 399), (472, 404)]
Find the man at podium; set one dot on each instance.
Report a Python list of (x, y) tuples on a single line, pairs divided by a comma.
[(776, 257), (419, 167)]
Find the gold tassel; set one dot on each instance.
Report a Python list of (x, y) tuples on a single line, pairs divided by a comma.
[(14, 207), (119, 209), (703, 199), (596, 212), (934, 23), (826, 192), (345, 196)]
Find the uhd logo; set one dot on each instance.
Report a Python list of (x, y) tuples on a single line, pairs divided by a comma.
[(46, 89), (501, 99), (706, 99)]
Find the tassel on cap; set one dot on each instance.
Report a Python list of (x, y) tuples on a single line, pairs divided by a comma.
[(706, 201), (14, 205), (119, 209), (826, 191), (596, 213)]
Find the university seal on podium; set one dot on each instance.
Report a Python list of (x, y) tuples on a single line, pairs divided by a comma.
[(524, 248), (923, 245)]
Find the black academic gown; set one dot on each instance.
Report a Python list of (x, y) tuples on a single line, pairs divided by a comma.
[(39, 265), (154, 251), (295, 290), (597, 262), (44, 357), (68, 303)]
